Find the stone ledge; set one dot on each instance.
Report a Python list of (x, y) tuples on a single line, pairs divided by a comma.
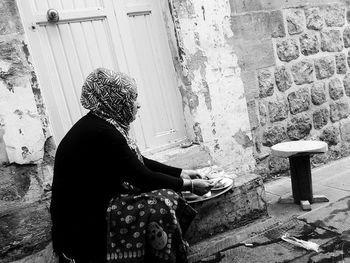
[(44, 256), (193, 157), (29, 226), (239, 206)]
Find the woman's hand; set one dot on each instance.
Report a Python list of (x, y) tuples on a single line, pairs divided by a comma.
[(197, 186), (190, 174), (201, 186)]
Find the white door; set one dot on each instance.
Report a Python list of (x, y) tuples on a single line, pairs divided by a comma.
[(124, 35)]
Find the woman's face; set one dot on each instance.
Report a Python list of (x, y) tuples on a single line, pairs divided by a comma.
[(136, 106)]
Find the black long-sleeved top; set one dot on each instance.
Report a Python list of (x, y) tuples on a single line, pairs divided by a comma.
[(90, 163)]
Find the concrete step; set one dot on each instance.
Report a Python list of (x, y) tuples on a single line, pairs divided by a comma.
[(242, 204)]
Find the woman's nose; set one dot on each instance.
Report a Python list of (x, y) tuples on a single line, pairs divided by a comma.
[(138, 105)]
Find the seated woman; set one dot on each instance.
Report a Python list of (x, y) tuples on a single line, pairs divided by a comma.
[(110, 203)]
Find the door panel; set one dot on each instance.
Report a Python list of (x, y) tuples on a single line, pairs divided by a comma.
[(157, 75), (123, 36)]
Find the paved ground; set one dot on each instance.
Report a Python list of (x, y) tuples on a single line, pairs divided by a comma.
[(328, 225)]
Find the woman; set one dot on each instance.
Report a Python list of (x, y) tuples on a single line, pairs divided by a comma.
[(99, 168)]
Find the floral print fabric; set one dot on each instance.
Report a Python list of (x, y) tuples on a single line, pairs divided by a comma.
[(148, 227)]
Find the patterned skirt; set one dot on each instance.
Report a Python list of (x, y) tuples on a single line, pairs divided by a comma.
[(148, 227)]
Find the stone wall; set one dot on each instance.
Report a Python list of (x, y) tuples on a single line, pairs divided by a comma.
[(255, 73), (286, 60), (304, 92), (26, 147)]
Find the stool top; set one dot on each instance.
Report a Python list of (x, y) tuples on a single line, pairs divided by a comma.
[(287, 149)]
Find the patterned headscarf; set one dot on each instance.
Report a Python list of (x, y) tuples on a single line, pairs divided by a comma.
[(111, 96)]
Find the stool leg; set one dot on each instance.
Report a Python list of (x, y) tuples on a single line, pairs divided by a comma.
[(300, 169)]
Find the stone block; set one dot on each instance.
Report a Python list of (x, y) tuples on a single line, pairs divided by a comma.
[(348, 59), (324, 67), (4, 159), (319, 159), (17, 70), (277, 24), (10, 21), (330, 135), (346, 83), (278, 110), (15, 182), (339, 110), (273, 135), (287, 49), (262, 114), (309, 44), (318, 93), (184, 9), (346, 37), (238, 6), (283, 78), (27, 182), (345, 130), (278, 165), (237, 207), (45, 255), (254, 54), (335, 88), (314, 19), (302, 72), (295, 21), (348, 16), (331, 41), (299, 126), (266, 83), (320, 118), (340, 63), (253, 116), (26, 229), (334, 15), (255, 25), (335, 152), (299, 100)]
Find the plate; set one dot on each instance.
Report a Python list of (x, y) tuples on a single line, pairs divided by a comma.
[(221, 183), (189, 196), (192, 198)]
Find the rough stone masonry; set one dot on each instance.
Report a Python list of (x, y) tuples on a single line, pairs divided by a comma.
[(304, 94)]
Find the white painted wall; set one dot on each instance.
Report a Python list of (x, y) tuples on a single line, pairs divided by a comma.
[(21, 126), (203, 28)]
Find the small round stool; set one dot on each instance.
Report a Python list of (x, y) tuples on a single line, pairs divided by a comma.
[(299, 153)]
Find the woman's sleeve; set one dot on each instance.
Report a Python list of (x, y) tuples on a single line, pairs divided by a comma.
[(162, 168), (130, 169)]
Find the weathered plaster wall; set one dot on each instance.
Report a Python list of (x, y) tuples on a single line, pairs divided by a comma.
[(26, 147), (210, 81)]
